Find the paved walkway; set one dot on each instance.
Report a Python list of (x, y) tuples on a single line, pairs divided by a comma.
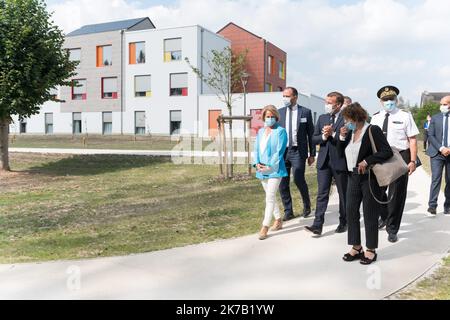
[(289, 265)]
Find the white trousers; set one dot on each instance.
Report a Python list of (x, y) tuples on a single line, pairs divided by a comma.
[(271, 188)]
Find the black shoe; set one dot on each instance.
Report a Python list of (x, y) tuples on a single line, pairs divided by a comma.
[(349, 258), (447, 211), (288, 217), (341, 228), (432, 210), (367, 261), (315, 230), (306, 213), (381, 224), (392, 237)]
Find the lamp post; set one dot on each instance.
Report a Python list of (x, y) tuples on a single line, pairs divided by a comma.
[(244, 80)]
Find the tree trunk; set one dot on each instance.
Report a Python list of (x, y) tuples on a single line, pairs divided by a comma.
[(231, 163), (4, 141)]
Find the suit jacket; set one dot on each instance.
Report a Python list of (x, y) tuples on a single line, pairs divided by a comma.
[(384, 151), (305, 130), (435, 135), (328, 149), (273, 155)]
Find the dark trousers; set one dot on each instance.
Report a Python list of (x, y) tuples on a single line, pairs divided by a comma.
[(425, 139), (438, 164), (296, 164), (398, 190), (324, 177), (358, 191)]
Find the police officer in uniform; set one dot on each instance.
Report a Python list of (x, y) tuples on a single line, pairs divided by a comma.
[(401, 131)]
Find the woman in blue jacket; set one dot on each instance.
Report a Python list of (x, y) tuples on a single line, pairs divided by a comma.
[(269, 152)]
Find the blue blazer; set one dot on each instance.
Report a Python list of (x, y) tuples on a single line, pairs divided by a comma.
[(435, 135), (328, 148), (305, 130), (273, 155)]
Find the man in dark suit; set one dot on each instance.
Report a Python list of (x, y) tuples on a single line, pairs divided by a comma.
[(329, 163), (439, 152), (298, 122)]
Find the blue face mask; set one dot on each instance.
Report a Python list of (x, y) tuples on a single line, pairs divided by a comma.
[(270, 122), (350, 126), (390, 105)]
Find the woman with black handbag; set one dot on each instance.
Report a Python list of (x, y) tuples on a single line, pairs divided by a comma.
[(354, 144)]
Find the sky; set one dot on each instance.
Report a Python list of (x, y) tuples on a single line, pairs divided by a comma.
[(351, 46)]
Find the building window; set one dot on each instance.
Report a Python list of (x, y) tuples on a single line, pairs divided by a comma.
[(281, 70), (23, 126), (75, 54), (104, 56), (270, 65), (143, 86), (79, 89), (175, 122), (139, 120), (280, 89), (137, 52), (178, 84), (48, 123), (269, 87), (172, 49), (76, 123), (107, 122), (109, 88), (256, 122)]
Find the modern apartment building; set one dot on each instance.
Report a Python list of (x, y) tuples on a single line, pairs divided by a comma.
[(133, 79), (266, 63)]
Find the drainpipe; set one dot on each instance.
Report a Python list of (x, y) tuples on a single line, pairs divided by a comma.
[(265, 65), (202, 32), (122, 83)]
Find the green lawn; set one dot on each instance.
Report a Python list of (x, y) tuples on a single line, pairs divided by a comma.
[(126, 142), (437, 286), (69, 207)]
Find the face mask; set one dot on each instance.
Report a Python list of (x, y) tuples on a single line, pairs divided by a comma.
[(270, 122), (350, 126), (286, 101), (444, 108), (328, 108), (390, 106)]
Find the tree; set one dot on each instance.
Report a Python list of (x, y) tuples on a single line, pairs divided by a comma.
[(226, 70), (32, 62), (420, 114)]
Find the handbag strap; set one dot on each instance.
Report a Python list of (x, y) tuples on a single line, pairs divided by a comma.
[(374, 148), (373, 195)]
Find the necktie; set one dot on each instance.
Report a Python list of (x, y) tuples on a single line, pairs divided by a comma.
[(385, 124), (332, 119), (446, 130), (290, 127)]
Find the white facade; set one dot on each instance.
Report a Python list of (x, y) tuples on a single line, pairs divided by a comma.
[(252, 101), (159, 105), (195, 42)]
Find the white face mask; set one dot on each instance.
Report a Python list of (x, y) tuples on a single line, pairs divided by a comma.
[(286, 101), (444, 108), (328, 108)]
